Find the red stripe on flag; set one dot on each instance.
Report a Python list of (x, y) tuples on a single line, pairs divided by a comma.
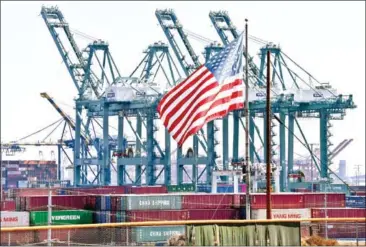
[(183, 101), (193, 113), (201, 114), (184, 85), (209, 119)]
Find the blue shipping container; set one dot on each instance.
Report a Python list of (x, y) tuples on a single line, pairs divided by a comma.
[(356, 201), (102, 217), (103, 203)]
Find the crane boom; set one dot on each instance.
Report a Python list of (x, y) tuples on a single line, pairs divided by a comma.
[(168, 22), (64, 115), (74, 60)]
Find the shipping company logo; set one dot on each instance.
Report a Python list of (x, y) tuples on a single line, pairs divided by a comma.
[(66, 217), (287, 216), (317, 95), (9, 219), (259, 94), (111, 95)]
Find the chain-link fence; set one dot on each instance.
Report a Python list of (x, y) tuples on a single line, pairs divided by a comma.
[(158, 233)]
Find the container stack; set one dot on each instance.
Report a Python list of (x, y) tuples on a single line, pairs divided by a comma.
[(112, 204)]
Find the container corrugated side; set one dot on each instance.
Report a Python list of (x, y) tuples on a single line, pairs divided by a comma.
[(102, 217), (317, 200), (39, 203), (166, 215), (155, 233), (146, 189), (300, 213), (7, 206), (103, 203), (207, 201), (213, 214), (338, 212), (342, 230), (279, 201), (64, 217), (151, 202), (14, 219)]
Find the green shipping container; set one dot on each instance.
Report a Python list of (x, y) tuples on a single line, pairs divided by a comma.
[(158, 202), (181, 188), (64, 217), (155, 233)]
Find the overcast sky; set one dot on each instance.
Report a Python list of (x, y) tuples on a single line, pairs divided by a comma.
[(326, 38)]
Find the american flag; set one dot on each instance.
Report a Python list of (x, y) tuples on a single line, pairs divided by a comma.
[(210, 92)]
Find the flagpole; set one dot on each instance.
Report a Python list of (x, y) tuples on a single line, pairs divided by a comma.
[(268, 137), (246, 109)]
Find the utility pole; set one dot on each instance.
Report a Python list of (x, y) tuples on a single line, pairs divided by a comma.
[(49, 232), (268, 137), (246, 109)]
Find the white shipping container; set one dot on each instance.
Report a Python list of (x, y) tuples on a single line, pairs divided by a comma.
[(299, 213), (14, 219)]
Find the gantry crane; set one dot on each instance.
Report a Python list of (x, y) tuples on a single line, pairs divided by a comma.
[(328, 106)]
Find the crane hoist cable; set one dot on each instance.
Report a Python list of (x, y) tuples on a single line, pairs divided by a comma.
[(310, 75), (38, 131)]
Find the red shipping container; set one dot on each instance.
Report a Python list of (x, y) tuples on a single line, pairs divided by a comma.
[(213, 214), (207, 201), (279, 201), (360, 193), (338, 213), (114, 200), (39, 203), (33, 192), (146, 190), (317, 200), (166, 215), (7, 206), (343, 230)]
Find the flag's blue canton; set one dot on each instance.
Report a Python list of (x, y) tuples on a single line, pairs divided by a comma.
[(227, 62)]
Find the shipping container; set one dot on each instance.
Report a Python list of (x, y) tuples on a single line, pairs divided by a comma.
[(7, 206), (118, 216), (317, 200), (161, 215), (356, 201), (64, 217), (103, 203), (159, 189), (300, 213), (279, 201), (14, 219), (213, 214), (207, 201), (338, 212), (39, 203), (204, 188), (342, 230), (181, 188), (150, 202), (102, 217), (155, 233)]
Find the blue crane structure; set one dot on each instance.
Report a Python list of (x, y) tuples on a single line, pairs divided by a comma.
[(99, 85)]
